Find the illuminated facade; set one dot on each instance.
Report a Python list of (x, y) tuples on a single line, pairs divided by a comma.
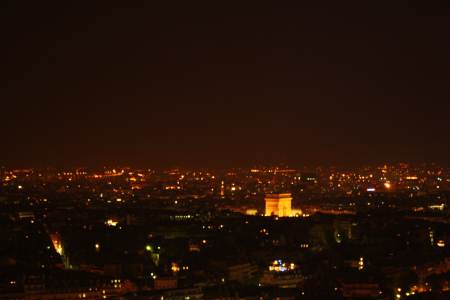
[(57, 244), (278, 205)]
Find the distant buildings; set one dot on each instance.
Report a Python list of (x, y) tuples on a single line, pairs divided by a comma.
[(201, 235)]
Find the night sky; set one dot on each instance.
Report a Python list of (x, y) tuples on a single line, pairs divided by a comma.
[(226, 84)]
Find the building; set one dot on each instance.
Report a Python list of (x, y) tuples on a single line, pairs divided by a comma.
[(278, 205), (242, 272), (361, 290), (166, 283)]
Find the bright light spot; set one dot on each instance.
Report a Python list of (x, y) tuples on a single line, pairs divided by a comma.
[(441, 244), (361, 264), (111, 222), (56, 241), (175, 267)]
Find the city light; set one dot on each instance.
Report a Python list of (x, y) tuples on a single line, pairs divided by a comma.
[(175, 267), (441, 243), (361, 264), (111, 222), (280, 266)]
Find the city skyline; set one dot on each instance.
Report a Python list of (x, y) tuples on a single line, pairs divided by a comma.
[(225, 150)]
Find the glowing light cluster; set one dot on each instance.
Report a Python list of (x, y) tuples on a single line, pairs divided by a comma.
[(175, 267), (111, 222), (56, 241), (361, 264), (279, 266)]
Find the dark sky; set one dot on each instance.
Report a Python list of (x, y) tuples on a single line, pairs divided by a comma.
[(167, 83)]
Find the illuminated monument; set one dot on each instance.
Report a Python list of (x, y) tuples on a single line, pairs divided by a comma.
[(278, 205)]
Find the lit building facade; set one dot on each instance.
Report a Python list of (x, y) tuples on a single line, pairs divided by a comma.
[(278, 205)]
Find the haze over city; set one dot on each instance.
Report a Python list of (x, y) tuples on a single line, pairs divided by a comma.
[(224, 85)]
